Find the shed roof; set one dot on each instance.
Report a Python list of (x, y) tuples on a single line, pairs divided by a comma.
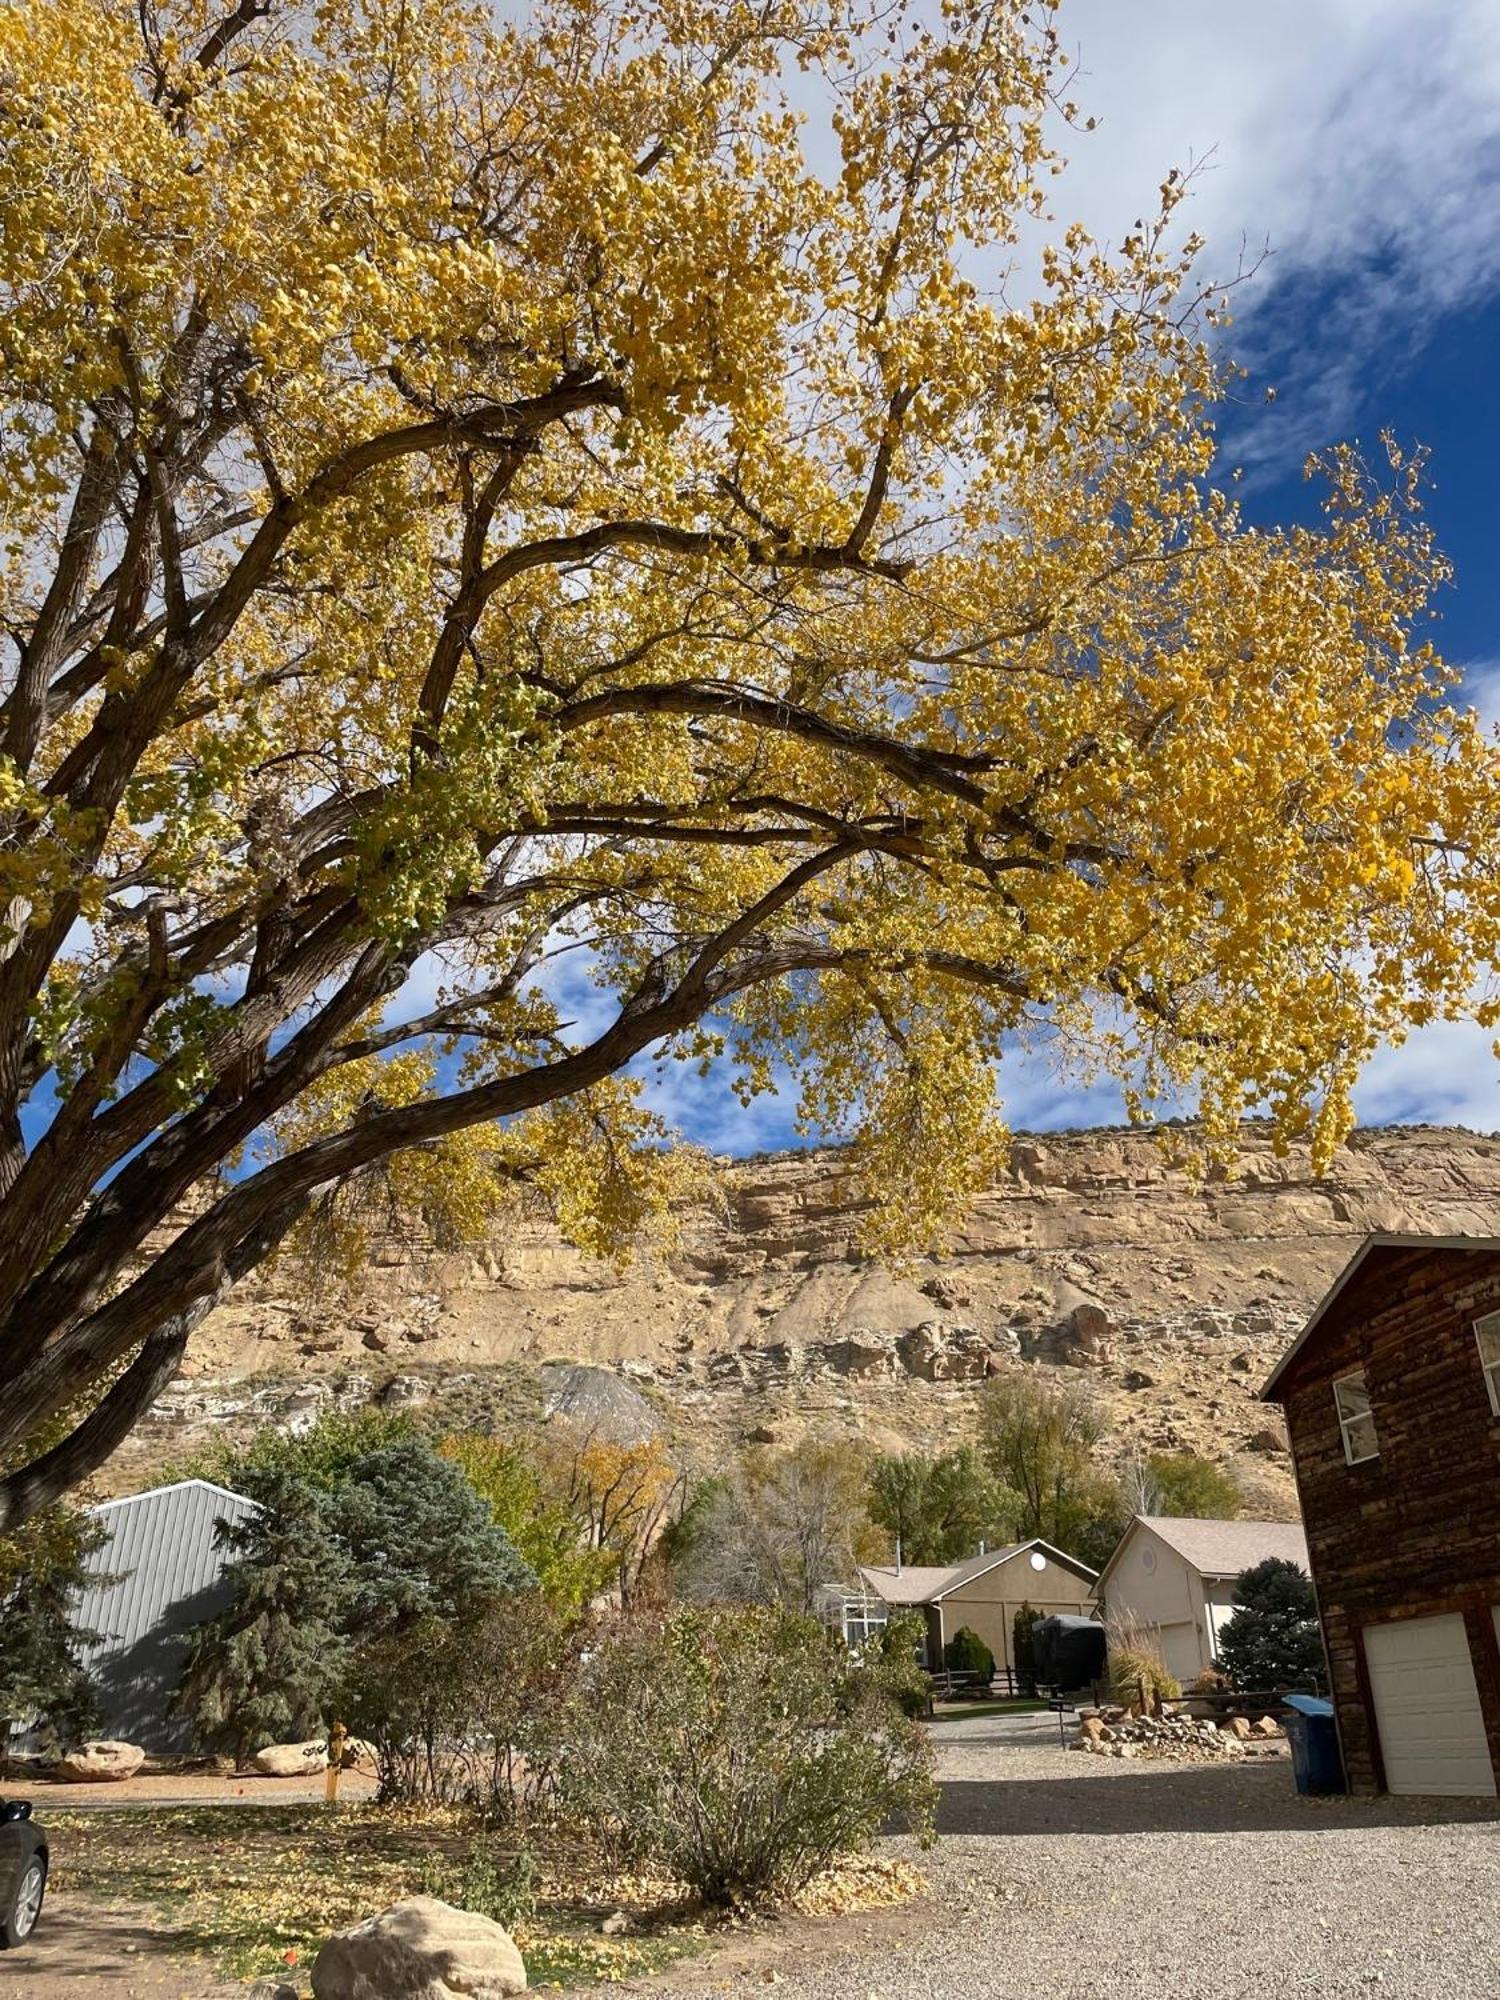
[(1220, 1548), (1380, 1241)]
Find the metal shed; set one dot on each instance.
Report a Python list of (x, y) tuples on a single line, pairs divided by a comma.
[(158, 1571)]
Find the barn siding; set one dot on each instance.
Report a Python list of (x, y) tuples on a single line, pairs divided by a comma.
[(157, 1572), (1416, 1531)]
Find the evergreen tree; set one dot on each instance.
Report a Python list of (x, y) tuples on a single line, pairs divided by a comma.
[(1023, 1645), (418, 1540), (1272, 1641), (265, 1670), (366, 1547), (43, 1682)]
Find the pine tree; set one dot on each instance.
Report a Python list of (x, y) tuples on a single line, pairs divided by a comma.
[(1272, 1642), (265, 1669), (43, 1682), (338, 1555)]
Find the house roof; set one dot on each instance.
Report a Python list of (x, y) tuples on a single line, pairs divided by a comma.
[(1219, 1548), (920, 1583), (1380, 1241)]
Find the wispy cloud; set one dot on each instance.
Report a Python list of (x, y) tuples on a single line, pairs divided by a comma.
[(1357, 140)]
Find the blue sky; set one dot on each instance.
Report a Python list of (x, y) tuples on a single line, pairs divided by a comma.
[(1357, 144)]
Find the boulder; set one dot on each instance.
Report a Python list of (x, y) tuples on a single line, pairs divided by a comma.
[(1267, 1726), (421, 1949), (103, 1761), (935, 1353), (1091, 1728), (291, 1760), (1238, 1726)]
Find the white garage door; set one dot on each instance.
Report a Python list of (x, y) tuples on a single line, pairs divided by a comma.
[(1427, 1707)]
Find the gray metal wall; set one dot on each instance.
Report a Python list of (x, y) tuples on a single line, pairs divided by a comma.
[(158, 1571)]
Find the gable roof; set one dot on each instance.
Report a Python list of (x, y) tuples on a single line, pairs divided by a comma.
[(176, 1486), (921, 1583), (1218, 1548), (1380, 1241)]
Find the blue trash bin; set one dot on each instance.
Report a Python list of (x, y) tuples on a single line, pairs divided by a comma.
[(1316, 1763)]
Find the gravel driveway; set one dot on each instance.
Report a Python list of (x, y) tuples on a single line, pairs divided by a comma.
[(1063, 1877)]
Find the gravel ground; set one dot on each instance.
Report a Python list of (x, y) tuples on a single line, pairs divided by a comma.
[(1063, 1877)]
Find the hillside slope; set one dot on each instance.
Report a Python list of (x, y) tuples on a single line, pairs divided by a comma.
[(1094, 1257)]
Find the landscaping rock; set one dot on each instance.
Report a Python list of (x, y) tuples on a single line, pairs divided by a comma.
[(1267, 1726), (421, 1949), (291, 1760), (104, 1760), (1237, 1725), (1178, 1738)]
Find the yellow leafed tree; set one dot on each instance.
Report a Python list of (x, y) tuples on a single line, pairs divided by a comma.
[(474, 491)]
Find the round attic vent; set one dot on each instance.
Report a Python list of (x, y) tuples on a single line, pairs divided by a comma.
[(1148, 1560), (1038, 1560)]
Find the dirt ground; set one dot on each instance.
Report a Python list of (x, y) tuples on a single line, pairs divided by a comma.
[(87, 1951), (195, 1788)]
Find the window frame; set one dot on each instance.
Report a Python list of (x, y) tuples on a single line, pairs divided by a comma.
[(1489, 1369), (1347, 1423)]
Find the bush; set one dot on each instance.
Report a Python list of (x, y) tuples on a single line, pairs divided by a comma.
[(1134, 1667), (463, 1712), (1272, 1641), (900, 1648), (741, 1750), (494, 1882), (966, 1653), (1023, 1640)]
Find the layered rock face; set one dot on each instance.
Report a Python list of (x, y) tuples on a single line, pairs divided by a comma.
[(1096, 1258)]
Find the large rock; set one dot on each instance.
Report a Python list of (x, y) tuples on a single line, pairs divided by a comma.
[(597, 1402), (421, 1949), (102, 1761), (291, 1760)]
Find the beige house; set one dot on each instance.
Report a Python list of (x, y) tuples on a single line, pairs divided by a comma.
[(1177, 1577), (984, 1593)]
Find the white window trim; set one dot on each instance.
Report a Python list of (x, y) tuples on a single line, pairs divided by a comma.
[(1346, 1424), (1490, 1369)]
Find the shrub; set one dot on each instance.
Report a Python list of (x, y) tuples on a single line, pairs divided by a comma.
[(966, 1653), (496, 1882), (1133, 1667), (741, 1750), (900, 1648), (462, 1711), (1023, 1640), (1272, 1641)]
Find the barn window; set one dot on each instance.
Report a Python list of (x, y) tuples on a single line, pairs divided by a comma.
[(1487, 1333), (1351, 1396)]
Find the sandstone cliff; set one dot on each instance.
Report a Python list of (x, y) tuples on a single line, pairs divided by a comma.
[(1095, 1256)]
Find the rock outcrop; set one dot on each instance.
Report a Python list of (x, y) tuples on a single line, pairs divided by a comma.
[(1097, 1256)]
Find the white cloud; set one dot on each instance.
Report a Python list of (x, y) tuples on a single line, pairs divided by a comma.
[(1358, 139)]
